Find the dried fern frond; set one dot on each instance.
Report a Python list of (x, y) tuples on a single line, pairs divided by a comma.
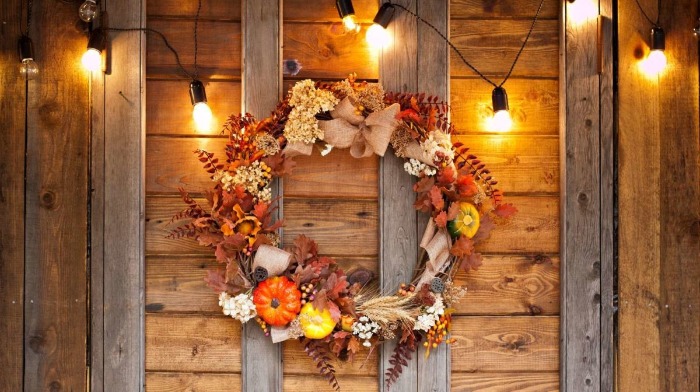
[(317, 350), (389, 309)]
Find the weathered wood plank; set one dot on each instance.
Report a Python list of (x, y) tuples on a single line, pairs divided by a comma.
[(505, 382), (534, 105), (192, 382), (294, 382), (505, 344), (507, 9), (215, 38), (123, 231), (522, 164), (55, 298), (262, 77), (325, 50), (680, 208), (336, 175), (193, 343), (170, 110), (512, 285), (211, 9), (12, 120), (325, 11), (296, 361), (491, 45)]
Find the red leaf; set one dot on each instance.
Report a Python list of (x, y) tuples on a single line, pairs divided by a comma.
[(335, 312), (453, 211), (436, 198), (424, 184), (466, 187), (505, 210), (462, 247), (446, 176), (260, 210), (441, 219)]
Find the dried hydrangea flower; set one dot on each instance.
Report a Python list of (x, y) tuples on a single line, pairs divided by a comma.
[(240, 307), (430, 315), (267, 143)]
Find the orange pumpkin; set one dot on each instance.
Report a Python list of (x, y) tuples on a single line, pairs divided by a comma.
[(277, 300)]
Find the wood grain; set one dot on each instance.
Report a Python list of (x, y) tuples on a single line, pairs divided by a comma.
[(192, 382), (505, 382), (325, 11), (505, 344), (13, 115), (56, 208), (215, 38), (491, 47), (211, 10), (176, 284), (193, 343), (170, 110), (293, 383), (296, 361), (511, 285), (534, 105), (159, 212), (506, 9), (325, 50), (522, 164)]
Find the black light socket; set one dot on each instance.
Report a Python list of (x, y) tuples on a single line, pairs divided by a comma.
[(197, 93), (499, 98), (384, 15), (658, 39), (25, 48), (97, 40), (345, 8)]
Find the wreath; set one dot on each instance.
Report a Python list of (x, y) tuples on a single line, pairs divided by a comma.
[(298, 293)]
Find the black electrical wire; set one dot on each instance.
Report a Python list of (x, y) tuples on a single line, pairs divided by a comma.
[(196, 48), (30, 7), (461, 56), (658, 13)]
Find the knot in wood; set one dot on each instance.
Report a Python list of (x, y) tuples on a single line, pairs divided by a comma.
[(48, 199)]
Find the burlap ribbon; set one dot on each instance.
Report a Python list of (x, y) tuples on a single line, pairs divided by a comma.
[(437, 243), (273, 259), (364, 136), (415, 151)]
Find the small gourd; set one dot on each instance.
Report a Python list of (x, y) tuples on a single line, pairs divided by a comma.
[(316, 324), (466, 223), (277, 300)]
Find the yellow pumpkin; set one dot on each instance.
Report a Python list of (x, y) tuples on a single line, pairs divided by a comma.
[(314, 323), (466, 223)]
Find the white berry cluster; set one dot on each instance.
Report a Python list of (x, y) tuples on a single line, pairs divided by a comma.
[(240, 307), (430, 315), (416, 168), (365, 328)]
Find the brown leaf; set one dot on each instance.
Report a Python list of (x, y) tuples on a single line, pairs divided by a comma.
[(471, 261), (260, 210), (305, 248), (354, 345), (462, 247), (441, 219), (505, 210), (436, 198), (216, 279), (453, 211), (485, 226), (424, 184), (321, 300)]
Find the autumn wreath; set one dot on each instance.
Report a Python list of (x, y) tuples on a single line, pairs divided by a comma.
[(297, 293)]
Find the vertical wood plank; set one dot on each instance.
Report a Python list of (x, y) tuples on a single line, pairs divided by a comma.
[(12, 122), (261, 25), (398, 71), (56, 206), (118, 209), (581, 203), (433, 78)]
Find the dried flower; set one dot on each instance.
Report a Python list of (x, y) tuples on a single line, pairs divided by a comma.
[(364, 328), (400, 139), (267, 143), (307, 101), (430, 315), (240, 307), (438, 146), (417, 168)]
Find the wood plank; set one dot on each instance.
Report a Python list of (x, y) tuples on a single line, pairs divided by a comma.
[(55, 298), (325, 50), (325, 11), (262, 77), (13, 115), (398, 229), (680, 207), (297, 362), (192, 382), (211, 9), (505, 344), (522, 164), (215, 38), (340, 227), (170, 110), (336, 175), (491, 46), (317, 383), (500, 382), (159, 212), (512, 285), (534, 105), (507, 9), (192, 343)]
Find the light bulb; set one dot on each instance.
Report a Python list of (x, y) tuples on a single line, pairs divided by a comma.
[(29, 70), (581, 11), (377, 36), (350, 23), (87, 11), (501, 121), (202, 117), (92, 59), (656, 61)]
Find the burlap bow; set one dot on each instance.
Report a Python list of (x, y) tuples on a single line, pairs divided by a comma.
[(364, 136), (437, 243), (273, 259)]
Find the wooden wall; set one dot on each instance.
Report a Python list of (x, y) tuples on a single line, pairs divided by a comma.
[(659, 204)]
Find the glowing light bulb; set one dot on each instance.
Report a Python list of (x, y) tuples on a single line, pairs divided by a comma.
[(581, 11), (202, 117), (656, 61), (377, 36), (350, 23), (87, 11), (501, 121), (29, 70), (92, 59), (347, 14)]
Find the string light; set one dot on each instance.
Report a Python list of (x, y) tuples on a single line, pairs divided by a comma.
[(377, 36), (501, 121), (87, 10), (347, 14), (201, 113), (28, 69), (580, 11), (92, 58), (656, 61)]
